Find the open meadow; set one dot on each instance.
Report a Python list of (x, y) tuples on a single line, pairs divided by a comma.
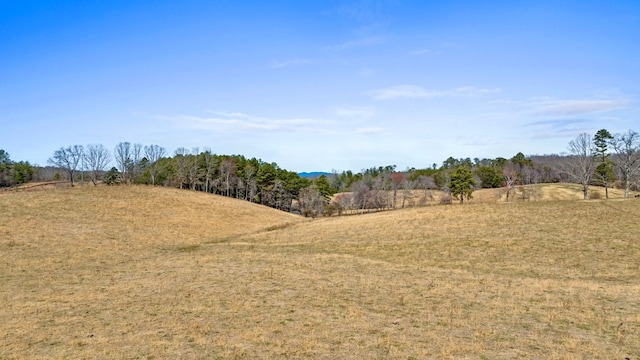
[(144, 272)]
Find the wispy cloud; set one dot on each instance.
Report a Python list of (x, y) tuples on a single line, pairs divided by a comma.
[(369, 130), (422, 52), (558, 128), (241, 121), (363, 42), (413, 91), (360, 112), (278, 64), (577, 107), (557, 122)]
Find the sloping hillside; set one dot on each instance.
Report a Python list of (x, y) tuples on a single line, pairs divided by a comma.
[(131, 216), (140, 272), (536, 192)]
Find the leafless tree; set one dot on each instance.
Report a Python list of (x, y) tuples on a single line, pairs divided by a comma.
[(96, 158), (580, 163), (123, 157), (426, 183), (510, 176), (407, 191), (193, 169), (250, 182), (380, 192), (136, 161), (181, 160), (228, 174), (68, 159), (342, 202), (154, 153), (210, 163), (311, 201), (334, 180), (361, 193), (397, 178), (627, 156)]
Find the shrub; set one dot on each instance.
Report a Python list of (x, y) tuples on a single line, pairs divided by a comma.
[(595, 195)]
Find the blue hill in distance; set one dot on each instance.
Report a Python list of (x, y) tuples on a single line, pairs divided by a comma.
[(313, 174)]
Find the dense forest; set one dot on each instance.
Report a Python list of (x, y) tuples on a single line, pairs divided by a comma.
[(601, 159)]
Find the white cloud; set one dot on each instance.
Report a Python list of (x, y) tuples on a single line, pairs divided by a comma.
[(422, 52), (577, 107), (369, 130), (360, 112), (413, 91), (363, 42), (278, 64), (241, 121), (559, 128)]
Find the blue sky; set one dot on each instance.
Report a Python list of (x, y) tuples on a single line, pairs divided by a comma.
[(317, 85)]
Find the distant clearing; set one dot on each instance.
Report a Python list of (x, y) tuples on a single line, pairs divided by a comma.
[(143, 272)]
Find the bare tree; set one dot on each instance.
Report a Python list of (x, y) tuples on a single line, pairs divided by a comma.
[(154, 153), (181, 160), (627, 156), (136, 161), (210, 163), (68, 159), (250, 180), (123, 154), (311, 201), (510, 176), (343, 202), (397, 178), (580, 163), (407, 190), (228, 174), (426, 183), (361, 193), (193, 169), (96, 158)]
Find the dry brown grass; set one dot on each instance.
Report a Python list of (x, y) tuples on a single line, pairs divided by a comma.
[(139, 272), (537, 192)]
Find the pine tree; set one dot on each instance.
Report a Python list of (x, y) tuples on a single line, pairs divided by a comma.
[(461, 183), (603, 171)]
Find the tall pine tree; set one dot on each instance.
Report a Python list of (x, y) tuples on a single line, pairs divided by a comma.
[(603, 172)]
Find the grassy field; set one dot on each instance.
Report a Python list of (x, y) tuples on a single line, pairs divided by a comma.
[(141, 272)]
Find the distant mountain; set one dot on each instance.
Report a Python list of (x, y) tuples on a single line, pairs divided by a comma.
[(313, 174)]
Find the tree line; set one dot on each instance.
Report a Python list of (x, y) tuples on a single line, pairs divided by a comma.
[(603, 159), (14, 173), (235, 176)]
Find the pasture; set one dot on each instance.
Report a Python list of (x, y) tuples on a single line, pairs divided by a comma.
[(142, 272)]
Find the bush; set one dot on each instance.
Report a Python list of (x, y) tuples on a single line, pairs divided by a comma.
[(112, 176), (330, 209), (446, 199), (595, 195)]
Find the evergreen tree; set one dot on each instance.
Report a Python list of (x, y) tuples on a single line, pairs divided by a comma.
[(461, 183), (604, 171), (22, 172), (5, 169)]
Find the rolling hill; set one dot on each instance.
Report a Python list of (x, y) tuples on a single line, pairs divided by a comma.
[(113, 272)]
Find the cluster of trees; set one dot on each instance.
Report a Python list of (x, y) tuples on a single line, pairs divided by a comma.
[(14, 173), (602, 159), (590, 160), (229, 175)]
